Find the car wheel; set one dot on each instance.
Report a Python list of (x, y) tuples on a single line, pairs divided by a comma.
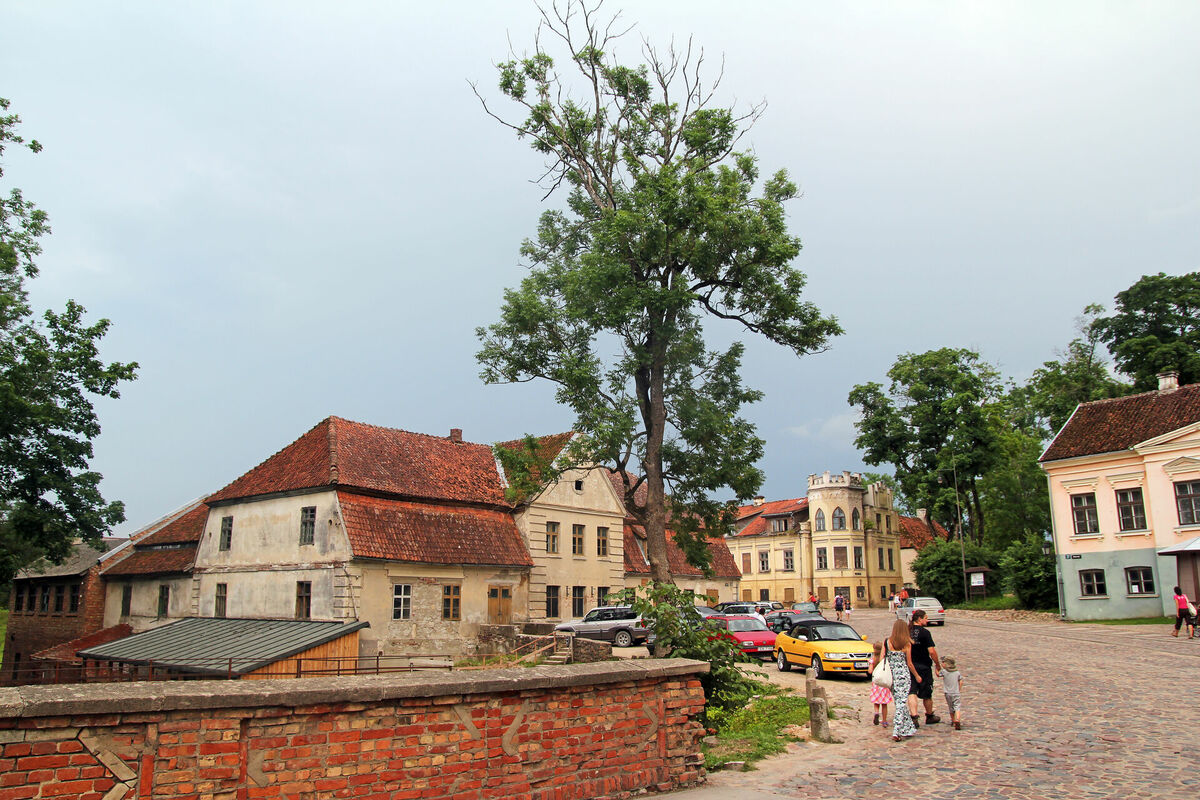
[(782, 662), (818, 669), (623, 639)]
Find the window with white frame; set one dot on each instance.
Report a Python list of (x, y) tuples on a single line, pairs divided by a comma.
[(1139, 580), (822, 558), (401, 601), (1131, 511), (1187, 502), (764, 561), (1091, 583), (1084, 514), (819, 520), (779, 524), (789, 561), (839, 519)]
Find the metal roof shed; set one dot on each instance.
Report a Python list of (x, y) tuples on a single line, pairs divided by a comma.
[(205, 647)]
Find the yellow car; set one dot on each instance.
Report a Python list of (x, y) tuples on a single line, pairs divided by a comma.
[(825, 646)]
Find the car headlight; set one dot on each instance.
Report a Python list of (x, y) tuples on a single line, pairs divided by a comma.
[(838, 656)]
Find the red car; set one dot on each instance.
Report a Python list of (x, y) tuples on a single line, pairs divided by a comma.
[(750, 633)]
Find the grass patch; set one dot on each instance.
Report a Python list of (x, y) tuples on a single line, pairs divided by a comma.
[(999, 603), (1134, 621), (756, 731)]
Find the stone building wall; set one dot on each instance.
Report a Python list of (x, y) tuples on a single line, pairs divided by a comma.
[(565, 732)]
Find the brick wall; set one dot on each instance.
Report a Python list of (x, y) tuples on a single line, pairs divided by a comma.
[(553, 733), (31, 631)]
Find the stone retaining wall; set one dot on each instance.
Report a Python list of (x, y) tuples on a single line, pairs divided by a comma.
[(608, 730)]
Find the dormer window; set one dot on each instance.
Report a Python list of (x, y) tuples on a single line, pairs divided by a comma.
[(779, 524)]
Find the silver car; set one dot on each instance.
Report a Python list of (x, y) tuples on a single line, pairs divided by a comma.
[(933, 608), (617, 624)]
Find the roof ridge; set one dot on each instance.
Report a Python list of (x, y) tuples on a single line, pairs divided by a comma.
[(1155, 392), (331, 435), (211, 495), (403, 430)]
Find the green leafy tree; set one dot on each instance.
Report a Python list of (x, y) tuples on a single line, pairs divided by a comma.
[(933, 426), (1079, 375), (1155, 328), (50, 370), (666, 224), (1029, 573), (939, 568), (1013, 492)]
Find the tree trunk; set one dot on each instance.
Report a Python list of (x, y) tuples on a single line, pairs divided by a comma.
[(976, 512), (655, 413)]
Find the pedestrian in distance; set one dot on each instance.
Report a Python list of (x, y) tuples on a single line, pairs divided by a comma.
[(925, 658), (1185, 612), (892, 602), (952, 685), (881, 696), (839, 604), (897, 649)]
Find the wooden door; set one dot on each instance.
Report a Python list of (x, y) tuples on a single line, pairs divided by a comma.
[(500, 605)]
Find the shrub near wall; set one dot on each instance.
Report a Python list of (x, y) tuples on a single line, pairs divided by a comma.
[(576, 731)]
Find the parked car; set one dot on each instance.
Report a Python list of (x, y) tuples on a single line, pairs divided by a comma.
[(933, 608), (750, 633), (706, 612), (617, 624), (823, 646), (781, 621), (807, 608)]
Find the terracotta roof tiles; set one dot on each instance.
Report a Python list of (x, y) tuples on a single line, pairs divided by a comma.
[(915, 533), (760, 516), (155, 561), (1108, 426), (635, 563)]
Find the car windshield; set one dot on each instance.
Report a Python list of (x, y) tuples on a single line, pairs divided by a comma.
[(744, 625), (835, 633), (804, 607)]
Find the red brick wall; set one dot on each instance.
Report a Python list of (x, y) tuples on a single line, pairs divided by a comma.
[(552, 733), (30, 632)]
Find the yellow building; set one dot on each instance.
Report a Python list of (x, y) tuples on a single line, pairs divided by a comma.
[(843, 538)]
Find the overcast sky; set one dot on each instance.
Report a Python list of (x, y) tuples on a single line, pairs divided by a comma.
[(291, 210)]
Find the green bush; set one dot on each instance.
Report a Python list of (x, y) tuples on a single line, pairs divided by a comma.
[(1030, 574), (939, 569)]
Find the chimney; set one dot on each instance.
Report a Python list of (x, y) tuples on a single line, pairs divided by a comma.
[(921, 516), (456, 435), (758, 501), (1168, 381)]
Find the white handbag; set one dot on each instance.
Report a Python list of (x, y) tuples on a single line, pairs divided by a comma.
[(882, 674)]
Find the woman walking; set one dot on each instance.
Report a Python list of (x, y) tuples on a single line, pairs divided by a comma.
[(1183, 613), (898, 651)]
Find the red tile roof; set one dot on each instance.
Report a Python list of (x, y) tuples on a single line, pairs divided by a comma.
[(187, 527), (355, 455), (1108, 426), (431, 533), (637, 564), (915, 533), (67, 650), (618, 483), (155, 562), (760, 515)]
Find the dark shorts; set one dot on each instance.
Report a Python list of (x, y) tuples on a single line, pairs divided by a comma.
[(924, 689), (1182, 617)]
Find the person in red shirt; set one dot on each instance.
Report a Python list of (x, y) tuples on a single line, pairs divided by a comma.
[(903, 594)]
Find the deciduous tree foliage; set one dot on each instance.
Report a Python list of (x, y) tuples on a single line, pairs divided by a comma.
[(665, 225), (49, 371), (1156, 328), (1029, 573)]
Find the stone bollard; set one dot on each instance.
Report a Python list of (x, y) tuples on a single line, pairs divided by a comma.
[(810, 686), (818, 719)]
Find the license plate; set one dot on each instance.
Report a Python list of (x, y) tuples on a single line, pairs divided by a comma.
[(860, 665), (764, 649)]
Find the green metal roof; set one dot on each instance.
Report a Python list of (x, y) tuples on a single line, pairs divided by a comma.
[(222, 646)]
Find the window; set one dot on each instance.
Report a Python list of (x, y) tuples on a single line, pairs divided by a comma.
[(577, 597), (822, 558), (602, 595), (855, 520), (308, 524), (858, 558), (579, 485), (861, 592), (126, 599), (779, 524), (452, 601), (764, 561), (1091, 583), (789, 561), (1131, 512), (764, 595), (747, 596), (226, 533), (1083, 510), (60, 597), (839, 558), (891, 560), (1187, 502), (819, 520), (889, 523), (839, 519), (401, 601), (303, 599), (601, 541), (219, 600), (73, 598), (576, 540), (1140, 580), (789, 594), (44, 600), (551, 537), (552, 602), (745, 563), (878, 521), (19, 598), (883, 593), (164, 600), (881, 567)]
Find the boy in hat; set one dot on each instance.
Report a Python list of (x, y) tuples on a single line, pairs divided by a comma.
[(952, 686)]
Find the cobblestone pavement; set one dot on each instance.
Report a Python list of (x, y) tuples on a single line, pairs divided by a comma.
[(1050, 710)]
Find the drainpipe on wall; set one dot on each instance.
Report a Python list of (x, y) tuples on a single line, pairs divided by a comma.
[(1058, 578)]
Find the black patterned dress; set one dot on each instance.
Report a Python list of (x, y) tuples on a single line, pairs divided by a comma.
[(902, 724)]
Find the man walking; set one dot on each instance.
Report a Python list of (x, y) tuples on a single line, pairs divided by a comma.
[(924, 658), (839, 603)]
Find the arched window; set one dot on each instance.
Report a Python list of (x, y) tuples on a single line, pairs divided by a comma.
[(819, 520), (839, 519), (855, 521)]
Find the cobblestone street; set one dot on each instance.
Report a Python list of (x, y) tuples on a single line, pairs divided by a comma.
[(1049, 710)]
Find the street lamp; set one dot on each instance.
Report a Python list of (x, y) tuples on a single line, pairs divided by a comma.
[(962, 546)]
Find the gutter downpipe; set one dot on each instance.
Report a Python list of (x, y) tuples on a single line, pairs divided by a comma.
[(1058, 578)]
